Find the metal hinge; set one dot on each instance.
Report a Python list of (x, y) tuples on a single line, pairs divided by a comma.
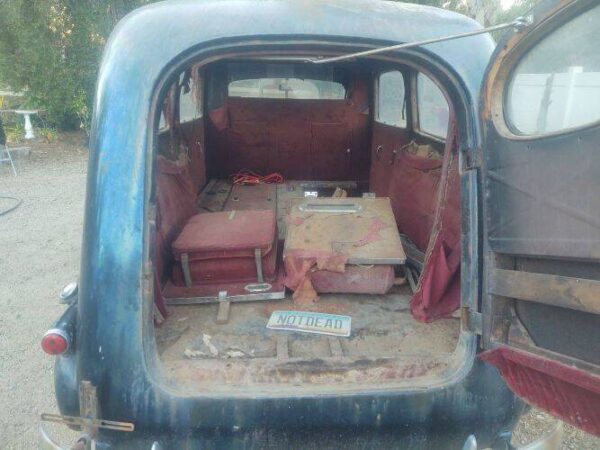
[(472, 158), (471, 320)]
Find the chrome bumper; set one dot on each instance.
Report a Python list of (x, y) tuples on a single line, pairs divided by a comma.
[(46, 442), (551, 441)]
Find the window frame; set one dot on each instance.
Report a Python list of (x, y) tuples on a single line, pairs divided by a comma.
[(503, 66), (260, 82), (509, 124), (405, 106), (414, 92)]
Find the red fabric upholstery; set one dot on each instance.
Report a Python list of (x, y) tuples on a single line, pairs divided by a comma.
[(232, 234), (221, 246), (228, 270), (193, 137), (568, 393), (301, 139), (175, 200), (385, 140), (413, 191), (428, 215), (438, 293)]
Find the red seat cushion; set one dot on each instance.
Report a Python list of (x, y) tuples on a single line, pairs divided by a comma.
[(220, 247), (229, 234)]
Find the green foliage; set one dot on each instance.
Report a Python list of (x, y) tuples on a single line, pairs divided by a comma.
[(52, 49), (519, 8), (14, 132)]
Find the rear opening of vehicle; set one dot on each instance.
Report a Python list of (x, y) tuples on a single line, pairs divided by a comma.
[(297, 209)]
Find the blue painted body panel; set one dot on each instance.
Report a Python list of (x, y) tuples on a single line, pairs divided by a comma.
[(114, 346)]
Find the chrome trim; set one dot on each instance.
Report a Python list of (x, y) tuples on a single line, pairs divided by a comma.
[(550, 441), (46, 442), (234, 298), (330, 207), (69, 291), (258, 287)]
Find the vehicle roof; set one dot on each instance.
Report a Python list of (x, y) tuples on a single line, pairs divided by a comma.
[(155, 34)]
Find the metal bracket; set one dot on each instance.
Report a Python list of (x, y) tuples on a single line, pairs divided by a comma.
[(393, 158), (259, 269), (471, 320), (91, 423), (472, 158), (185, 267), (224, 307)]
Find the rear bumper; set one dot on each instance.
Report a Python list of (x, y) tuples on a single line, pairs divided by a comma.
[(550, 441)]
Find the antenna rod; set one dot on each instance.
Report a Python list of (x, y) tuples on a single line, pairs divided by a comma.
[(518, 24)]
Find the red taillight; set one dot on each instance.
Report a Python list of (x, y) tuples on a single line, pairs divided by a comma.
[(55, 342)]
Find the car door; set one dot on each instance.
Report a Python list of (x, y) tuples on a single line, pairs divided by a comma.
[(540, 175)]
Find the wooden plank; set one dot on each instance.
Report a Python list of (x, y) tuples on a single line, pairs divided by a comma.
[(336, 347), (365, 230), (213, 196), (283, 351), (566, 292), (223, 313)]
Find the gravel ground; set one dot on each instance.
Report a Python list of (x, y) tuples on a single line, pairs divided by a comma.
[(40, 244)]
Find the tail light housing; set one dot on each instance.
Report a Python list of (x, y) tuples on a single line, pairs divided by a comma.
[(55, 342)]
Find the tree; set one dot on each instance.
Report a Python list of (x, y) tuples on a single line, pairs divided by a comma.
[(52, 49)]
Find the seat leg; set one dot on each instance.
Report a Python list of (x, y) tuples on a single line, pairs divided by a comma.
[(185, 267), (259, 270), (224, 308)]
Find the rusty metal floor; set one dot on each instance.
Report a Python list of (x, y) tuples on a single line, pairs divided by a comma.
[(386, 344)]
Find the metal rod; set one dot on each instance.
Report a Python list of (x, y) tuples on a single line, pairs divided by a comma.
[(518, 23)]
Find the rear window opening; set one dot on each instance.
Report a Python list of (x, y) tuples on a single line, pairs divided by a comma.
[(290, 198), (287, 88)]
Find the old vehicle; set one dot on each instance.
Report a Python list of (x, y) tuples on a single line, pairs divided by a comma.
[(241, 147)]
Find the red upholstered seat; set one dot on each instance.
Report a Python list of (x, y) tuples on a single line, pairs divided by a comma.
[(221, 246)]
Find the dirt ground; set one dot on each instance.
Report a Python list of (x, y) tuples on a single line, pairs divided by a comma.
[(39, 246)]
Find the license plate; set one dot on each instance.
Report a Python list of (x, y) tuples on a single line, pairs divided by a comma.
[(311, 322)]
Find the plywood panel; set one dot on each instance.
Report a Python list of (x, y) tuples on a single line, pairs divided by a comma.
[(365, 231)]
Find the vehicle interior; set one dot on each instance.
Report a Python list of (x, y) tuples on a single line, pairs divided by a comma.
[(281, 185)]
